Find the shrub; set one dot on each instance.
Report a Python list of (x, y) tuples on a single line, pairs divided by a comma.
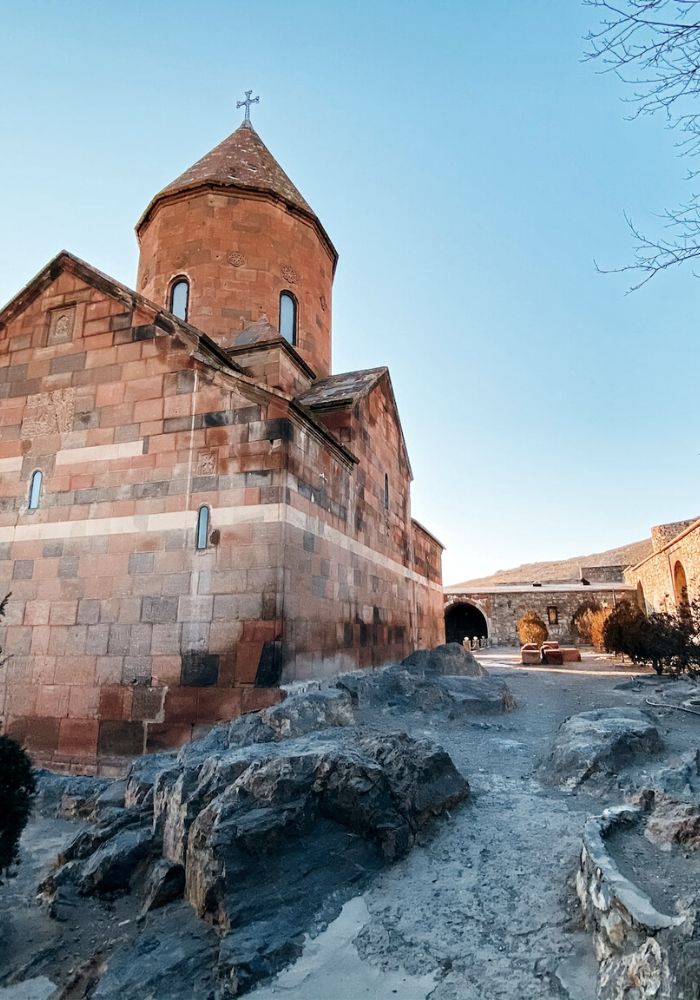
[(669, 642), (596, 624), (582, 620), (17, 787), (531, 628)]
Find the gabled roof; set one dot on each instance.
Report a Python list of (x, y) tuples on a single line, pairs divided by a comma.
[(341, 390), (65, 261), (347, 389), (204, 349), (241, 161)]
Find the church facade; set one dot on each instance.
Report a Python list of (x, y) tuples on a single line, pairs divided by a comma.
[(193, 508)]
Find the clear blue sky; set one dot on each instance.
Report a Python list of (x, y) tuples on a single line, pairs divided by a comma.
[(469, 168)]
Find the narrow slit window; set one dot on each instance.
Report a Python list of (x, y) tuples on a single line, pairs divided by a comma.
[(179, 298), (288, 317), (202, 527), (386, 491), (35, 490)]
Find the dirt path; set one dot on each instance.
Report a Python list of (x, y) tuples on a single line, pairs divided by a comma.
[(482, 911)]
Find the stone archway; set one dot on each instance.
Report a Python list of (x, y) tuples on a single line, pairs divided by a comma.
[(680, 584), (464, 619)]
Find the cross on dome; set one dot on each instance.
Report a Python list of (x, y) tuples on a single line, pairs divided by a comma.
[(247, 103)]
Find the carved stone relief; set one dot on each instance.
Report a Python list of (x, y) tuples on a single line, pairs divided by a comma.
[(61, 325), (289, 274), (206, 463), (49, 413), (236, 258)]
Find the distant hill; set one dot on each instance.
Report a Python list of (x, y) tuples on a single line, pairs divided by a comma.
[(562, 570)]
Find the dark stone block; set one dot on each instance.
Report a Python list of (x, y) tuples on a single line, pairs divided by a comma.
[(364, 634), (204, 484), (147, 703), (146, 332), (68, 566), (270, 664), (68, 363), (141, 563), (348, 634), (318, 586), (199, 669), (5, 550), (23, 569), (159, 610), (185, 382), (120, 739), (174, 424), (309, 541)]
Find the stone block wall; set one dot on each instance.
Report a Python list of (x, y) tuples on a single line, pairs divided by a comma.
[(121, 636), (502, 610), (655, 575)]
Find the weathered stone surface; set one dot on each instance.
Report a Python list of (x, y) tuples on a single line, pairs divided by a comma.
[(449, 658), (165, 882), (643, 953), (171, 960), (416, 688), (111, 868), (597, 744), (265, 823)]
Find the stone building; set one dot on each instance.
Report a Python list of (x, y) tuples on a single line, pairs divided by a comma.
[(671, 573), (193, 508), (493, 612)]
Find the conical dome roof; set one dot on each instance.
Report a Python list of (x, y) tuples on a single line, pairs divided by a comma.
[(241, 161)]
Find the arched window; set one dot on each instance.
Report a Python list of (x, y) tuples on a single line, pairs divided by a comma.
[(386, 491), (179, 298), (202, 527), (288, 317), (35, 490)]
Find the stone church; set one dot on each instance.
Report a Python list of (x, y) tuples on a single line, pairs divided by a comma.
[(193, 508)]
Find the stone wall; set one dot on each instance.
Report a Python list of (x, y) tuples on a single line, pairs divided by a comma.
[(503, 609), (656, 574), (603, 574), (120, 635)]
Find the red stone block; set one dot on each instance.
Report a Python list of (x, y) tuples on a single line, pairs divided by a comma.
[(181, 705), (247, 660), (166, 736), (218, 704), (254, 698), (78, 736)]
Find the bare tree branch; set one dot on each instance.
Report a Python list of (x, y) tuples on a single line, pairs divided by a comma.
[(653, 46)]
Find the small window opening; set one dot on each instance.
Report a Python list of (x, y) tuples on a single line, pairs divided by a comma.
[(35, 489), (179, 298), (202, 527), (386, 491), (553, 615), (288, 317)]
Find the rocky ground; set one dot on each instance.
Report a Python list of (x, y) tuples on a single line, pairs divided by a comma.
[(469, 898)]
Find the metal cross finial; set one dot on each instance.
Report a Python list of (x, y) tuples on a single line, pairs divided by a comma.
[(247, 103)]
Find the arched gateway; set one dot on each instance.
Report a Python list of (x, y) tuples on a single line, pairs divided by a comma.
[(464, 619)]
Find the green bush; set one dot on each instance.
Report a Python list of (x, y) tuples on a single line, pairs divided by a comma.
[(531, 628), (17, 787)]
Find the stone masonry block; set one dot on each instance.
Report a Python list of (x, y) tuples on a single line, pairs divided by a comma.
[(159, 610)]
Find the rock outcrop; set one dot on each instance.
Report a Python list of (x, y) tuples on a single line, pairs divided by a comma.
[(264, 826), (596, 745)]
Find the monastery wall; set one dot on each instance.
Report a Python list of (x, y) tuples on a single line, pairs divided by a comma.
[(656, 574), (502, 610)]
